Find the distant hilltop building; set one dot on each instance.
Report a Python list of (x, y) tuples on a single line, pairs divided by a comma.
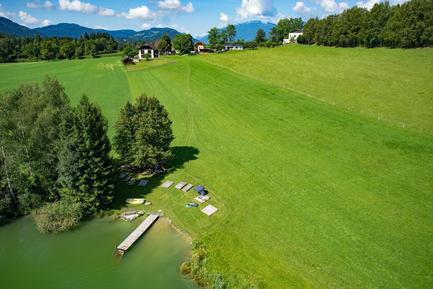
[(293, 37), (233, 47)]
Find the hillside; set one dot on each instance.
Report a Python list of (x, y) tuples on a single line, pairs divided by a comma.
[(313, 191), (11, 28), (247, 31)]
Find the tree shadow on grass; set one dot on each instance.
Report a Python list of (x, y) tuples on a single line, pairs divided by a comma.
[(182, 155)]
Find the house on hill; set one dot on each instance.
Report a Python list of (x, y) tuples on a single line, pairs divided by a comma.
[(233, 47), (293, 37), (199, 46), (147, 49)]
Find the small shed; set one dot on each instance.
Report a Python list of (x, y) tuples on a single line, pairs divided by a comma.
[(128, 61)]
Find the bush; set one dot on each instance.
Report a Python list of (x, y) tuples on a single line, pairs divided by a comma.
[(28, 202), (58, 217)]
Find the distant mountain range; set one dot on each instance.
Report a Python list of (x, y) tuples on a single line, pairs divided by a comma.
[(9, 27), (75, 31), (246, 31)]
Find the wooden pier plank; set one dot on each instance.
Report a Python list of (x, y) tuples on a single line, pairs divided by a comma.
[(136, 234)]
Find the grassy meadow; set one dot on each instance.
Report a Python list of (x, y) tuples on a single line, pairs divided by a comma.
[(391, 85), (303, 150)]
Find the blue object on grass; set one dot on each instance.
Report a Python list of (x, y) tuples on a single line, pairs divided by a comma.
[(199, 188)]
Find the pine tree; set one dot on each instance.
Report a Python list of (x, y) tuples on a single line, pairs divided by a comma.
[(85, 167)]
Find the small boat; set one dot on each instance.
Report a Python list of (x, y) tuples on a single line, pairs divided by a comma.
[(130, 216), (133, 201)]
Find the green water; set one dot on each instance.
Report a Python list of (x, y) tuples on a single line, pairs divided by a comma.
[(83, 259)]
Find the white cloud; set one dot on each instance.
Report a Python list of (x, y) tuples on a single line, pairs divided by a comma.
[(32, 5), (224, 18), (169, 4), (254, 8), (146, 26), (37, 4), (84, 7), (176, 5), (106, 12), (77, 5), (45, 22), (368, 4), (300, 7), (48, 4), (188, 8), (27, 18), (333, 6), (141, 12)]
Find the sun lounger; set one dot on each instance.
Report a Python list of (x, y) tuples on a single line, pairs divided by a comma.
[(133, 201), (143, 183), (187, 188), (180, 185), (209, 210), (202, 199), (167, 184)]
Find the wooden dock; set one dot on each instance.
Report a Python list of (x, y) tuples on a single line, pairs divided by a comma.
[(136, 234)]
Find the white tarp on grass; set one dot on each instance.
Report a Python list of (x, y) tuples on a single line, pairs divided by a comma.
[(209, 210), (187, 188), (167, 184), (180, 185)]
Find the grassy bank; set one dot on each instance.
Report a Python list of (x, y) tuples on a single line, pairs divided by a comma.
[(312, 194)]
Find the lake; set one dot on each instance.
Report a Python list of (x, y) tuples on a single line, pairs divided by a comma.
[(83, 258)]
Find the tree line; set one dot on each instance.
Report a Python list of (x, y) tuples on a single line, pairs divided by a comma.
[(37, 48), (408, 25), (55, 159)]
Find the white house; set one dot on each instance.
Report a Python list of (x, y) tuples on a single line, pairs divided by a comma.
[(199, 46), (233, 47), (293, 37), (147, 49)]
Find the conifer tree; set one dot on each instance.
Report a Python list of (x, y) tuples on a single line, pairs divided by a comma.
[(85, 167)]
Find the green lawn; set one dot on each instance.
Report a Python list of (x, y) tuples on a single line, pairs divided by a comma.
[(103, 80), (311, 195), (391, 85)]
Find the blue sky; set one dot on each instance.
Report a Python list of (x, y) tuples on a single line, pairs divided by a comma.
[(192, 16)]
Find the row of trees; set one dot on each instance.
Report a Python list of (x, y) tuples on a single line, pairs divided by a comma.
[(37, 48), (217, 37), (408, 25), (55, 159), (183, 43)]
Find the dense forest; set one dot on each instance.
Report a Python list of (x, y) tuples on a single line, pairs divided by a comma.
[(55, 159), (408, 25), (38, 48)]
